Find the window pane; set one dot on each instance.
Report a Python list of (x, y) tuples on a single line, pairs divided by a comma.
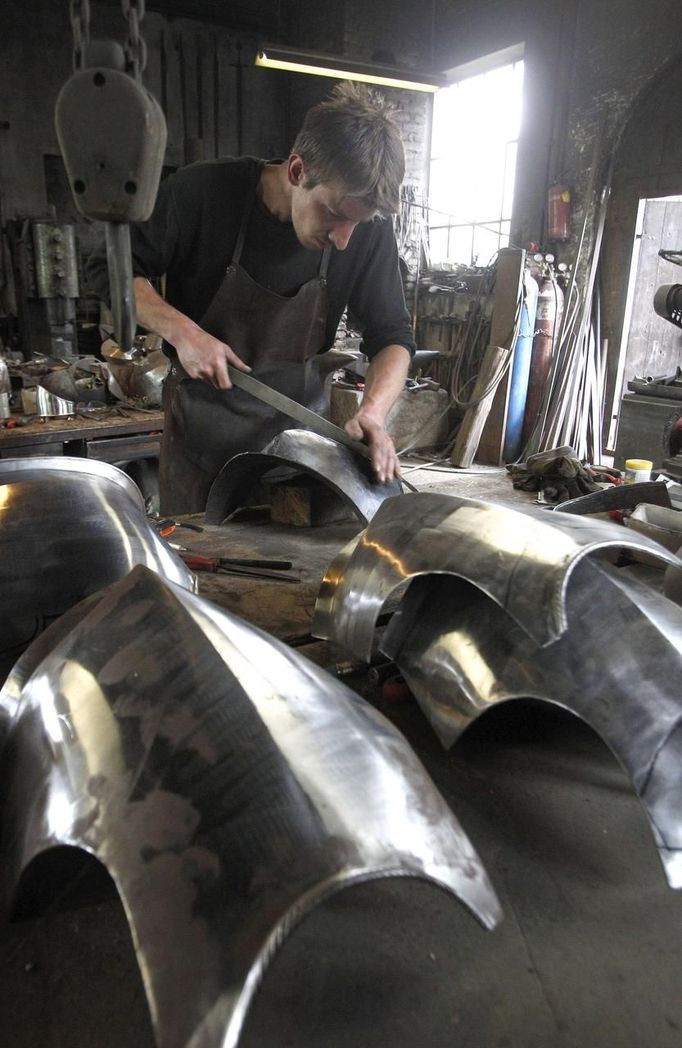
[(510, 173), (438, 245), (460, 245), (473, 162), (486, 243)]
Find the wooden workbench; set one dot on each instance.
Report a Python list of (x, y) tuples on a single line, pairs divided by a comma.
[(115, 439), (284, 609)]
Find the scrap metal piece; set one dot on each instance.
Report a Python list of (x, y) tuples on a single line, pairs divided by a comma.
[(352, 478), (227, 784), (618, 496), (521, 557), (617, 667), (138, 375), (68, 527)]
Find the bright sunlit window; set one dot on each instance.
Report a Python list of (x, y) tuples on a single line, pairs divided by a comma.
[(474, 138)]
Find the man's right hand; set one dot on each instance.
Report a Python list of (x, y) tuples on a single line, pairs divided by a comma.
[(205, 357), (201, 355)]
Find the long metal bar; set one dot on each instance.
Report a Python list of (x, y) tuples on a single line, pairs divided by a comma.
[(120, 268), (317, 423), (280, 402)]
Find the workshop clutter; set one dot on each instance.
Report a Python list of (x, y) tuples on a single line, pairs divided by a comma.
[(421, 417), (137, 375), (560, 475), (49, 387), (508, 603), (52, 387)]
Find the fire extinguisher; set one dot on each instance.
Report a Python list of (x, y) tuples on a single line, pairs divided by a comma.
[(559, 213), (547, 323)]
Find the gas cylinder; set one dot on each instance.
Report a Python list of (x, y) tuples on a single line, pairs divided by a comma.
[(520, 370), (559, 213), (547, 324)]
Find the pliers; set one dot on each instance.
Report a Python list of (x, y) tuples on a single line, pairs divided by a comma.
[(167, 526)]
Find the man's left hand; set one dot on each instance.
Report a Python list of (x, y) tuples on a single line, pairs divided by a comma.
[(384, 458)]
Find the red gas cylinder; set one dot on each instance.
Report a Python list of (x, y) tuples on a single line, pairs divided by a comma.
[(547, 323), (559, 213)]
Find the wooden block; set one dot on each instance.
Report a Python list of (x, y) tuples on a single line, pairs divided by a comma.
[(306, 502)]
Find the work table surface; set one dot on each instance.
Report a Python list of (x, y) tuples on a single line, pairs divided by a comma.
[(53, 430), (283, 608)]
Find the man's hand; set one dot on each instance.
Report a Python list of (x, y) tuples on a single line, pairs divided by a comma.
[(384, 458), (205, 357), (384, 381), (201, 355)]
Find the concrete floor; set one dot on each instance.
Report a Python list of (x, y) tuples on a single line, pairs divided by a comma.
[(589, 952)]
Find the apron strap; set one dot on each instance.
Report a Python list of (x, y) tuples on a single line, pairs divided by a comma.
[(324, 263), (241, 236)]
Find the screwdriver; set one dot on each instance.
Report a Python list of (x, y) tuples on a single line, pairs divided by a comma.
[(249, 568), (274, 565)]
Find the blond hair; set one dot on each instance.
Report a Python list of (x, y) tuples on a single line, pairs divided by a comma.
[(353, 140)]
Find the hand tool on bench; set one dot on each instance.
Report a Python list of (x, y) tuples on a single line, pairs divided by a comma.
[(232, 566)]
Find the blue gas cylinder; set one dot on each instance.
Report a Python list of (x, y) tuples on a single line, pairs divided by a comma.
[(520, 370)]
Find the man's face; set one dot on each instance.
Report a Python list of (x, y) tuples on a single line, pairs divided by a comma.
[(325, 214)]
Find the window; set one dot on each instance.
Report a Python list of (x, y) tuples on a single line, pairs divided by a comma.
[(476, 122)]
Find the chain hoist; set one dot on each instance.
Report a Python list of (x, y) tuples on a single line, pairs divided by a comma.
[(112, 135), (80, 23)]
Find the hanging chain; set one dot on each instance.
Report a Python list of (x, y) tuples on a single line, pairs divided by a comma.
[(80, 22), (136, 49)]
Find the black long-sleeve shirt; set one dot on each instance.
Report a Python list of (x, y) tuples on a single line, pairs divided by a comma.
[(191, 237)]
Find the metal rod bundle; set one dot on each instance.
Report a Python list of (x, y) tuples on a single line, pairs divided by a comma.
[(572, 408)]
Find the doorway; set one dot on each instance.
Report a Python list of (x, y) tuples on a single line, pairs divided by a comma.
[(650, 346)]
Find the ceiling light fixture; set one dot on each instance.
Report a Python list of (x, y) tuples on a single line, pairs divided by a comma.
[(339, 68)]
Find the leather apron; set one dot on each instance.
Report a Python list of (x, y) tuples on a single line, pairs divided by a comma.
[(279, 337)]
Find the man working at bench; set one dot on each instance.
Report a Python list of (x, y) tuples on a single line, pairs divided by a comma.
[(261, 259)]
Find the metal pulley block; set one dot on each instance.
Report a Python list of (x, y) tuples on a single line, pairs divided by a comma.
[(112, 134)]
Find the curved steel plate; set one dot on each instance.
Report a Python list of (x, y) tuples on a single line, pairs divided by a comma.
[(68, 527), (618, 667), (350, 477), (137, 376), (520, 557), (226, 783)]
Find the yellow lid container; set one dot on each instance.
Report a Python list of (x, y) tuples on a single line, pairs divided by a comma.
[(637, 470)]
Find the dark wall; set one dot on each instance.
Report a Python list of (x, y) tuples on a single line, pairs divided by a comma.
[(647, 163)]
